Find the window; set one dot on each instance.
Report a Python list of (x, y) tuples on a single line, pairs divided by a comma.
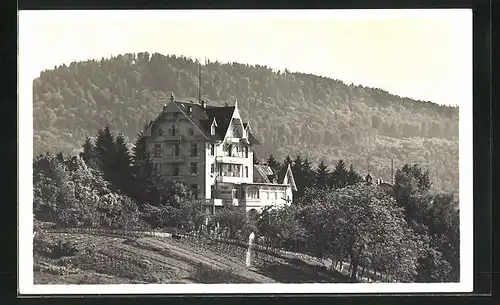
[(229, 168), (229, 150), (253, 193), (246, 151), (246, 171), (175, 114), (172, 130), (212, 168), (194, 168), (175, 150), (194, 190), (212, 129), (190, 131), (212, 149), (176, 170), (267, 195), (160, 132), (194, 149), (157, 167), (157, 150), (275, 195)]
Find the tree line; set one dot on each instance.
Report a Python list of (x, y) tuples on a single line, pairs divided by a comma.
[(407, 231)]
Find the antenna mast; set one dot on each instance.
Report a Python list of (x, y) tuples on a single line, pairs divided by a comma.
[(199, 82), (392, 170)]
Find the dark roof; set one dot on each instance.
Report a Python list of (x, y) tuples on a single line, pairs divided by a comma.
[(199, 118), (252, 139), (261, 172), (222, 116), (203, 118)]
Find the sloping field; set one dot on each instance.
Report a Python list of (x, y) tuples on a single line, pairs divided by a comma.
[(73, 258)]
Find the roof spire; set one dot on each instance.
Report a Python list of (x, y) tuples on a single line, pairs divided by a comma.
[(172, 98), (236, 103)]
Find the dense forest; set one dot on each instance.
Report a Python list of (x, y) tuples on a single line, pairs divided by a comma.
[(290, 113)]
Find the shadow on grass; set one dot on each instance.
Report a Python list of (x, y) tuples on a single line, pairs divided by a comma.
[(208, 275), (297, 271)]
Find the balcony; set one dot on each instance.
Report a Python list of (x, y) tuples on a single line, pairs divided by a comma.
[(171, 159), (229, 179), (169, 138), (230, 159), (230, 140)]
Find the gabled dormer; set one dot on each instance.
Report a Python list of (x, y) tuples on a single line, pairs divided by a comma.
[(213, 127), (235, 129)]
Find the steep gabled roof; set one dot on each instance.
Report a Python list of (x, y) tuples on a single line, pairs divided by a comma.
[(223, 117), (261, 172), (202, 118), (289, 179)]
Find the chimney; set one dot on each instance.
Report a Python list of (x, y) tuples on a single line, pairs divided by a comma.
[(203, 104), (227, 104)]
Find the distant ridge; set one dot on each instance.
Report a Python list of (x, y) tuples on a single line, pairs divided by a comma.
[(293, 113)]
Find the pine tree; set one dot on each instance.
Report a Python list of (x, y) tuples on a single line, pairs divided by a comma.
[(105, 152), (282, 170), (352, 176), (339, 176), (322, 175), (275, 167), (88, 154), (307, 174), (297, 165), (139, 149), (122, 167), (298, 173)]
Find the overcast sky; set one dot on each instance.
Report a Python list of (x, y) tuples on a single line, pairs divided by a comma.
[(424, 55)]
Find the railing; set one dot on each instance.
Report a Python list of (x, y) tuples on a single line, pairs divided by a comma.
[(233, 159)]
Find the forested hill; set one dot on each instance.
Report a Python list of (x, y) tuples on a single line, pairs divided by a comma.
[(290, 113)]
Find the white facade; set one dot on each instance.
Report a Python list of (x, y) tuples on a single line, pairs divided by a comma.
[(211, 150)]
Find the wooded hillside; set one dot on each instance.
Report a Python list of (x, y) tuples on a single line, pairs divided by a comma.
[(290, 113)]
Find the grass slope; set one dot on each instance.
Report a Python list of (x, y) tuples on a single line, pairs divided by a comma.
[(71, 258)]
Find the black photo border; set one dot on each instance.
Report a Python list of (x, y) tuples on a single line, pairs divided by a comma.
[(482, 121)]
